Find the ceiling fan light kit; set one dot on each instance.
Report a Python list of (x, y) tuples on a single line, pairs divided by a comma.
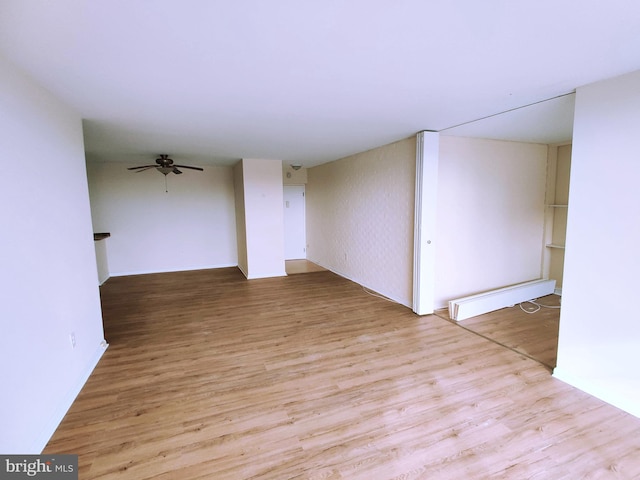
[(164, 165)]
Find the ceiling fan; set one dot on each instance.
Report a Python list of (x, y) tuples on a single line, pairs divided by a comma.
[(165, 166)]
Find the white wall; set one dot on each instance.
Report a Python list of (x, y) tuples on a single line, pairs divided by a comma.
[(360, 218), (49, 279), (293, 177), (264, 217), (599, 342), (192, 226), (102, 261), (490, 221)]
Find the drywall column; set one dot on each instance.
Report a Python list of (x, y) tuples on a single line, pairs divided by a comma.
[(241, 230), (260, 218), (427, 154), (599, 335)]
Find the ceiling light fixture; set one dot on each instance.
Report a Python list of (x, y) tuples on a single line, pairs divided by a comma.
[(165, 166)]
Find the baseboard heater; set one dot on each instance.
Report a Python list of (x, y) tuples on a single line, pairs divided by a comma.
[(467, 307)]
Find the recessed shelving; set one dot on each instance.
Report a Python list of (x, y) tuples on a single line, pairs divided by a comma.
[(556, 209)]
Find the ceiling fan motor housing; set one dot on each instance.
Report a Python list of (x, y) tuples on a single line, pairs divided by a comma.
[(164, 161)]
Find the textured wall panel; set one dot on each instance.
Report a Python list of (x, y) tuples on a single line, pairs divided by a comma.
[(360, 213)]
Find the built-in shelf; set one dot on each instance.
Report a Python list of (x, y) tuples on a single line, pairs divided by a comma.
[(556, 208)]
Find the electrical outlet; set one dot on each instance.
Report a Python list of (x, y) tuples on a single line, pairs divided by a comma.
[(72, 338)]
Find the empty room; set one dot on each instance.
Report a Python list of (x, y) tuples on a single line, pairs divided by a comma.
[(166, 161)]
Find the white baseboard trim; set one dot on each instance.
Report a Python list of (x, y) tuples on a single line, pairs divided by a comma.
[(280, 273), (473, 305), (187, 269), (61, 410)]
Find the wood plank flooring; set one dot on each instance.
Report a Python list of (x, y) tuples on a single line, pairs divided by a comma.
[(293, 267), (532, 334), (211, 376)]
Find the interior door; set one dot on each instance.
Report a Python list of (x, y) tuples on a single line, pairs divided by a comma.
[(295, 240)]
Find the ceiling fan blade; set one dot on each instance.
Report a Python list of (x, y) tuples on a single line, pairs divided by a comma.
[(142, 169), (143, 166), (176, 171), (192, 168)]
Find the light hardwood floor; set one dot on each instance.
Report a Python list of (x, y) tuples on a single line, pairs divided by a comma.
[(532, 334), (211, 376), (293, 267)]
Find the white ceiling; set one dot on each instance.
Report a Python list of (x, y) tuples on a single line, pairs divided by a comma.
[(309, 81)]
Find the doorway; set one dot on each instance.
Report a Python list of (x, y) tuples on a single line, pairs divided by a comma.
[(295, 239)]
